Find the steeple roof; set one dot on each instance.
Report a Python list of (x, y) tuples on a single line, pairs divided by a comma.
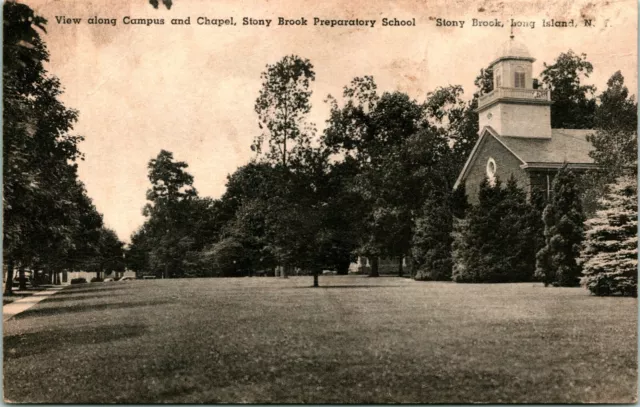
[(513, 49)]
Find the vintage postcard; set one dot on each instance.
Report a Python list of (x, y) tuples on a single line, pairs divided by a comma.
[(335, 202)]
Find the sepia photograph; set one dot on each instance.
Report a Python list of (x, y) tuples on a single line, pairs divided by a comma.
[(336, 202)]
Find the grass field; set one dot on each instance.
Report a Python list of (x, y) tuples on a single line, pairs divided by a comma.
[(355, 340)]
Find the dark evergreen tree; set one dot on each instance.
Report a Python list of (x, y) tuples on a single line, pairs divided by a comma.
[(556, 262), (459, 202), (483, 241), (459, 248), (497, 241), (522, 230), (431, 244)]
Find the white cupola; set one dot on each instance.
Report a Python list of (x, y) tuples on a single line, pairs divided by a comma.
[(514, 108)]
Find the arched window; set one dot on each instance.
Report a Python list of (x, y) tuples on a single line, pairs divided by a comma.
[(518, 81), (491, 170)]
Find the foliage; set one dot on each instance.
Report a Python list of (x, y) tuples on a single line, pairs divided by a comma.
[(460, 249), (556, 262), (615, 142), (610, 252), (177, 222), (459, 201), (447, 111), (617, 110), (431, 243), (156, 3), (497, 240), (373, 134), (282, 106), (574, 104), (49, 221), (227, 258), (483, 82)]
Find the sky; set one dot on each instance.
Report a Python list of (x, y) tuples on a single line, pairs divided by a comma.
[(191, 89)]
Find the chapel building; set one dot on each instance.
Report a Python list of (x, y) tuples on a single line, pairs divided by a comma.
[(516, 138)]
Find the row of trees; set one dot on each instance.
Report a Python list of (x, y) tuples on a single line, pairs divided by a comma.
[(50, 224), (311, 202), (377, 182)]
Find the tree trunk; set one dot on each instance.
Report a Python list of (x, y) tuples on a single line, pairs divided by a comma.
[(165, 273), (315, 277), (23, 278), (284, 271), (412, 269), (400, 271), (374, 267), (8, 288)]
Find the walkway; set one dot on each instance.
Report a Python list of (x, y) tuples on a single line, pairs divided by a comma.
[(23, 304)]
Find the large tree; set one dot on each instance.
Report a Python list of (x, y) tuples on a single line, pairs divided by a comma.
[(111, 256), (282, 107), (371, 130), (617, 109), (39, 153), (615, 141), (574, 103), (168, 213)]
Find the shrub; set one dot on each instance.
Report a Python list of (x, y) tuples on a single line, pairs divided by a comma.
[(80, 280), (610, 252), (96, 280)]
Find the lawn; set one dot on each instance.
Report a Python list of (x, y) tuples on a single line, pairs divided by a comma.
[(354, 340)]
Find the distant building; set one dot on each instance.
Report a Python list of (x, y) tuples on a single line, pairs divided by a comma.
[(88, 275), (386, 265), (516, 138)]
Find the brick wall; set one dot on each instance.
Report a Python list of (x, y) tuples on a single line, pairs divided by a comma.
[(506, 165)]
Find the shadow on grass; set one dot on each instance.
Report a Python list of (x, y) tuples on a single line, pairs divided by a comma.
[(33, 343), (326, 287), (85, 289), (47, 311), (78, 297)]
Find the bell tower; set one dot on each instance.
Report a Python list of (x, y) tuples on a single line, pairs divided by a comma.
[(514, 108)]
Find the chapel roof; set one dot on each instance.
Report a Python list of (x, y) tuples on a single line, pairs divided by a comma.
[(564, 146)]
